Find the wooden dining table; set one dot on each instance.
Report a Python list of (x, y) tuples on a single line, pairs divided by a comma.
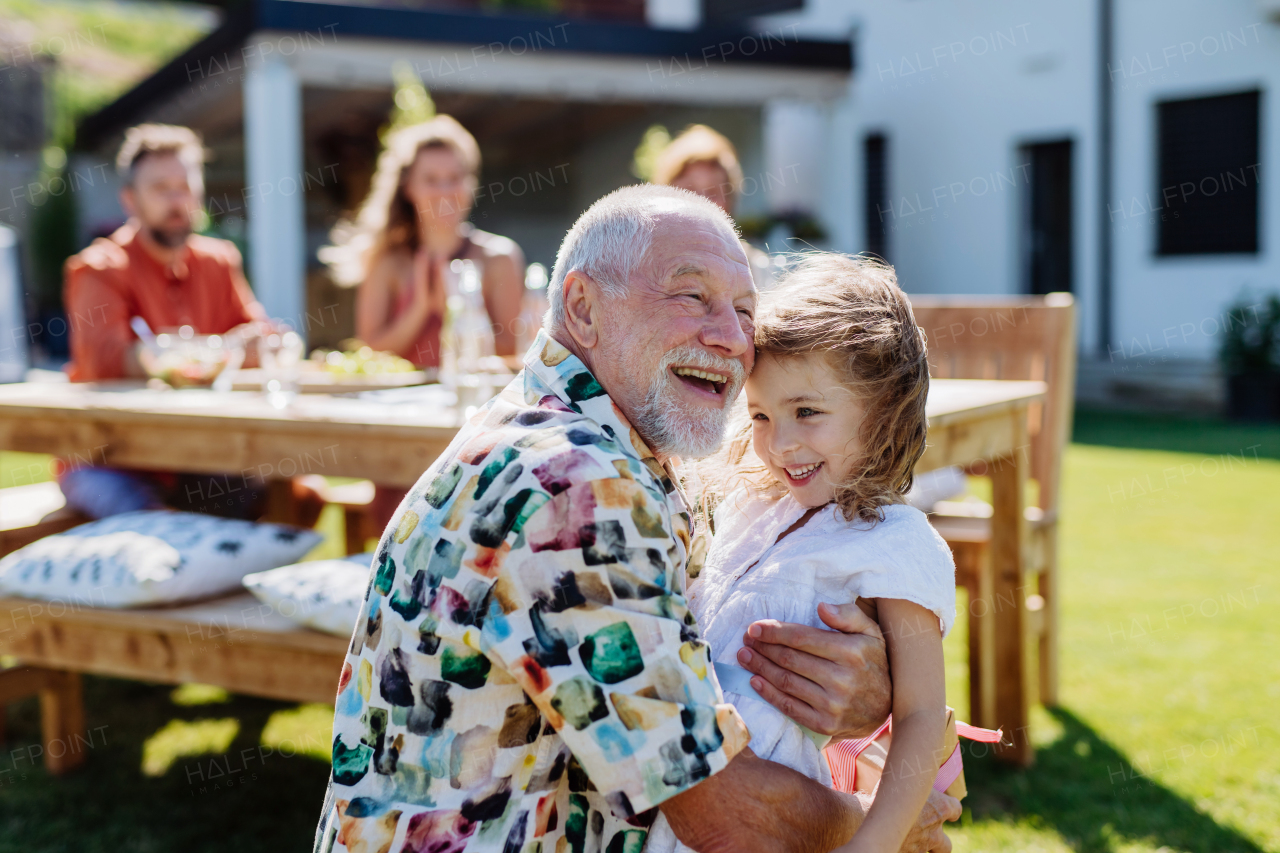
[(130, 425), (390, 440)]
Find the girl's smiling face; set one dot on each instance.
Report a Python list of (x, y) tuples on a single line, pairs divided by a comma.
[(805, 424)]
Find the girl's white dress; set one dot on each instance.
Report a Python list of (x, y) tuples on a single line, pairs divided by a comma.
[(749, 575)]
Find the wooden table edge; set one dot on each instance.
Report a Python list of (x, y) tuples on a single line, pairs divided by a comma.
[(10, 411), (976, 412)]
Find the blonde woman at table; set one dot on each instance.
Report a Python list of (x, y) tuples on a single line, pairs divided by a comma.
[(409, 229)]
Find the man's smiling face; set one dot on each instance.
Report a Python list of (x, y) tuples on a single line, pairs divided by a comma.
[(677, 344)]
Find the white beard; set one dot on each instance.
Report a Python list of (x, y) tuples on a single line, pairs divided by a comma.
[(673, 426)]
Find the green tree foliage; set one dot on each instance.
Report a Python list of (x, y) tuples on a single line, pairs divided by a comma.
[(413, 104), (656, 138)]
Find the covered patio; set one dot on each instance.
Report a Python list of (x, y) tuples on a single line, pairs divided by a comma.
[(289, 97)]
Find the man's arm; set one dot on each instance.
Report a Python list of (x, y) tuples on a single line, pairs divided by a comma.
[(755, 804), (833, 682), (614, 669), (102, 345)]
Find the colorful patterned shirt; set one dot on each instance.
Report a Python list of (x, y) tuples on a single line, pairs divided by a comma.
[(525, 675)]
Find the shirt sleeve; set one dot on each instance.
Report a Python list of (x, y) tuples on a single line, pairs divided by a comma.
[(98, 319), (591, 629), (911, 562)]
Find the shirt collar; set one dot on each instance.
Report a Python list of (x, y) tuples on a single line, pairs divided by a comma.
[(566, 375), (179, 270), (570, 380)]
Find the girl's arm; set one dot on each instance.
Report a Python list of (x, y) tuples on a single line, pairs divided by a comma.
[(914, 642)]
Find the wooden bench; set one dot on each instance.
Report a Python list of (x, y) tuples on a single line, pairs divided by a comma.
[(235, 642)]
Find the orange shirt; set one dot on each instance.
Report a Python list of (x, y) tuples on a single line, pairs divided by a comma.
[(116, 278)]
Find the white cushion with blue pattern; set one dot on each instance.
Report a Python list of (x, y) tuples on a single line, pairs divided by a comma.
[(150, 557), (322, 594)]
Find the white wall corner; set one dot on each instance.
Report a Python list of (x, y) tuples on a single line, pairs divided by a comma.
[(13, 348), (273, 190), (673, 14), (794, 142), (841, 189)]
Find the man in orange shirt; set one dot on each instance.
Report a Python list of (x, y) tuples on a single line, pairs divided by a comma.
[(155, 268)]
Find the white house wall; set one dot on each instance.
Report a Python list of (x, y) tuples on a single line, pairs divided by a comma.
[(1170, 308), (957, 88)]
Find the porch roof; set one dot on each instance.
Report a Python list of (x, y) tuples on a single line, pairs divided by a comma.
[(600, 45)]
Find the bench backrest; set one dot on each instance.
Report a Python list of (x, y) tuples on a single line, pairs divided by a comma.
[(1019, 337)]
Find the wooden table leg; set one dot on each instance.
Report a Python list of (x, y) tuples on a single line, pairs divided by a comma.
[(62, 732), (982, 647), (282, 503), (296, 501), (357, 528), (19, 682), (62, 722), (1008, 613), (1048, 589)]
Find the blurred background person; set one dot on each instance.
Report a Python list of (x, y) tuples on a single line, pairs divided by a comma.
[(705, 162), (408, 231), (410, 228), (155, 267)]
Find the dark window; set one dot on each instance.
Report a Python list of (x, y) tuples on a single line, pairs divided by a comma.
[(876, 212), (1209, 170), (1047, 236)]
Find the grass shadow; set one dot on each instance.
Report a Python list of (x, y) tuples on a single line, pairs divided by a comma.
[(1093, 796), (1177, 433), (270, 802)]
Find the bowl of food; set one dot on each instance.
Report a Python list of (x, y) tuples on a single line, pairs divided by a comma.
[(183, 359)]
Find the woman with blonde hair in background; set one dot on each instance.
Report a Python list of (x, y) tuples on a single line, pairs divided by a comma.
[(410, 228), (705, 162)]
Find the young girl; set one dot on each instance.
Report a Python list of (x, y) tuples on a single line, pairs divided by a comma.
[(816, 514)]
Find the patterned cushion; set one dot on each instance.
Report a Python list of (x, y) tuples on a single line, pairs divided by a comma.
[(150, 557), (323, 594)]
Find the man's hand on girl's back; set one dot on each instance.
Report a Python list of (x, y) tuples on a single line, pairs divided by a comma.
[(833, 682)]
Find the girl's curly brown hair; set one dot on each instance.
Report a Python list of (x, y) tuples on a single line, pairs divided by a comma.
[(850, 310)]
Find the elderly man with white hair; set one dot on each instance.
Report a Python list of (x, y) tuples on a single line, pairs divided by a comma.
[(525, 674)]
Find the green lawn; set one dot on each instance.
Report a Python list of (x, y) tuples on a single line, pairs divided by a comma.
[(1165, 740)]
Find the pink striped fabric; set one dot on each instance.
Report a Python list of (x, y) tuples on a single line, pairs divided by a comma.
[(842, 756), (981, 735), (950, 771)]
